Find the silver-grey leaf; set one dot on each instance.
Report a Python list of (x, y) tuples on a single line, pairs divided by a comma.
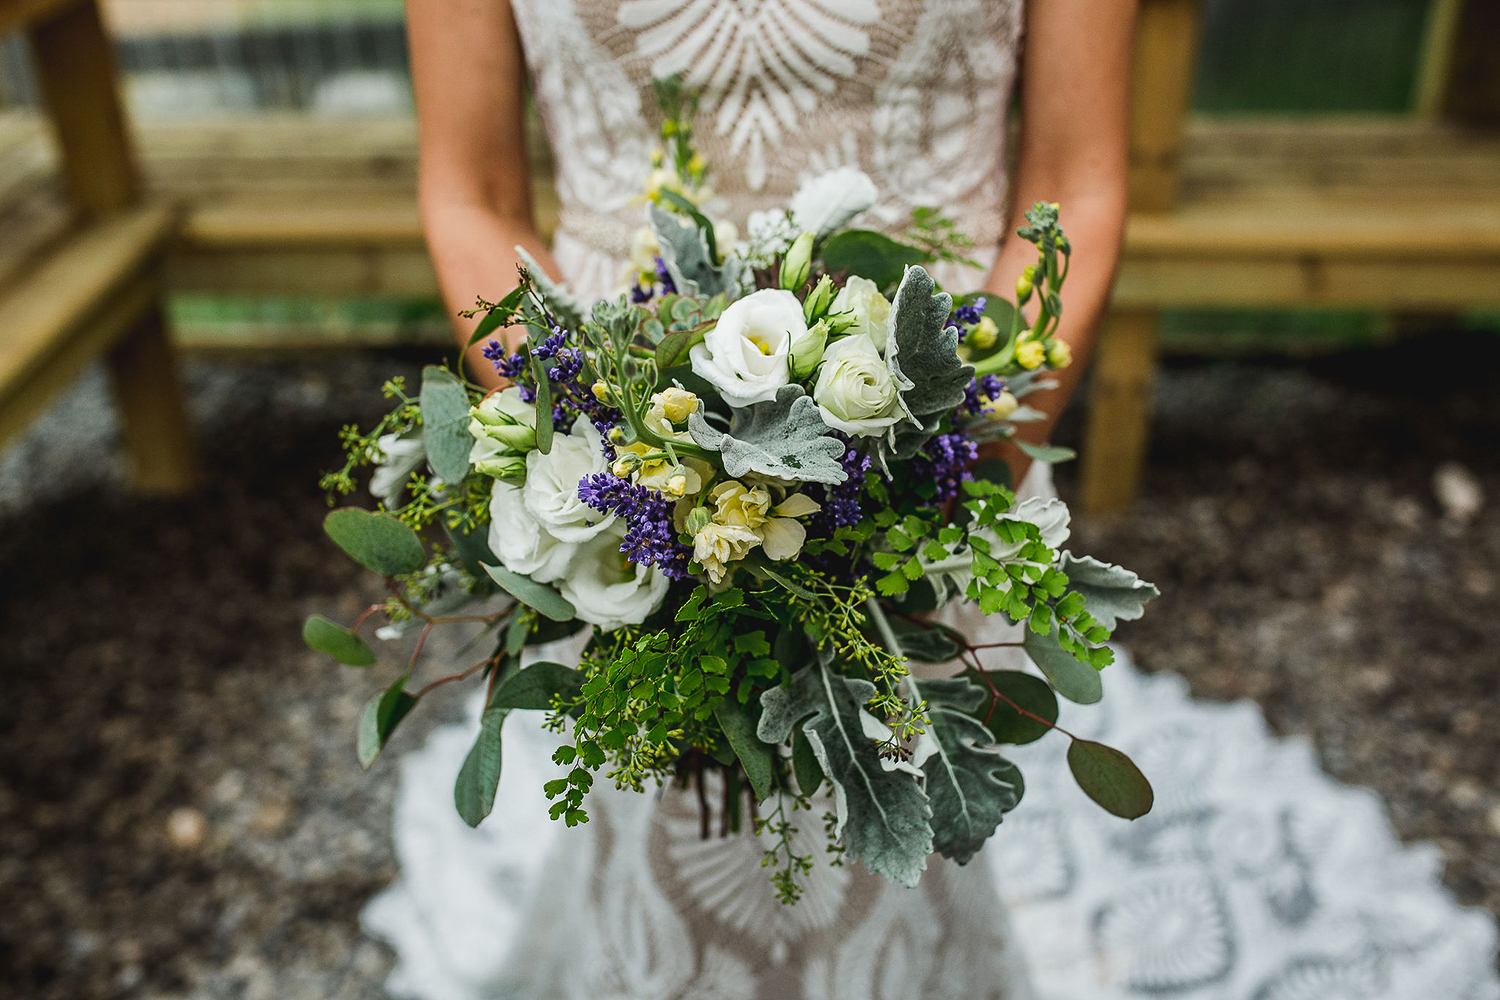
[(883, 816), (784, 437), (685, 253), (922, 354), (969, 782), (567, 308), (1111, 594)]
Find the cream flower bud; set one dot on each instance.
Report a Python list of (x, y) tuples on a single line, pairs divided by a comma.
[(871, 310), (509, 468), (697, 519), (797, 263), (807, 350), (676, 403), (818, 300), (1025, 283), (1002, 405), (601, 391), (1030, 354), (984, 334), (1059, 355)]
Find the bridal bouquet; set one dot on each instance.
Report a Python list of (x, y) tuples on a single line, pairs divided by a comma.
[(754, 474)]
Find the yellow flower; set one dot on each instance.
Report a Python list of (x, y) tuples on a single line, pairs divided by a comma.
[(782, 536), (715, 545), (1060, 355), (738, 506), (1030, 354), (1002, 405), (675, 402), (984, 334)]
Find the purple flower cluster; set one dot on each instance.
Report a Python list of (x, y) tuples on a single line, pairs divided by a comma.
[(945, 459), (841, 507), (650, 537), (966, 316), (980, 389), (663, 285), (571, 396)]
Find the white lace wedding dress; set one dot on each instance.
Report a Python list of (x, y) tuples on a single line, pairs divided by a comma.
[(1255, 877)]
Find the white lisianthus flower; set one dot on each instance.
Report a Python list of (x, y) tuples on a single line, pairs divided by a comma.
[(855, 392), (609, 591), (520, 542), (782, 535), (745, 355), (871, 310), (402, 457), (828, 202), (551, 490), (502, 424)]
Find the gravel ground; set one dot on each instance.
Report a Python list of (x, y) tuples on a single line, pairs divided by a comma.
[(180, 810)]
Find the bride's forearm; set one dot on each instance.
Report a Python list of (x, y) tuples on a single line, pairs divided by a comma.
[(473, 250)]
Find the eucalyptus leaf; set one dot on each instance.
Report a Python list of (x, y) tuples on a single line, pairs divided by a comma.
[(1077, 682), (883, 815), (928, 642), (1050, 453), (376, 541), (381, 715), (535, 686), (473, 549), (871, 255), (445, 424), (496, 317), (544, 429), (969, 782), (1111, 594), (922, 355), (1111, 779), (688, 257), (536, 595), (338, 642), (479, 777), (754, 755), (784, 437), (1026, 690)]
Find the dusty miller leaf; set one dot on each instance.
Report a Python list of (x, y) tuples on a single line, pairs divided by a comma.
[(883, 816), (969, 782), (1111, 594), (688, 259), (922, 354), (784, 437)]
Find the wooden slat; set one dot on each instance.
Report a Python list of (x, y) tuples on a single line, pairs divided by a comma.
[(17, 14), (1119, 411), (1435, 61), (1165, 55), (75, 66), (153, 420), (42, 310)]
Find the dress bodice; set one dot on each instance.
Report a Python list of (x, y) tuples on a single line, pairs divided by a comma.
[(914, 92)]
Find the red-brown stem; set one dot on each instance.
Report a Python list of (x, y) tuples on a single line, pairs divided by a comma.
[(365, 617), (997, 697), (465, 675), (421, 641), (994, 645)]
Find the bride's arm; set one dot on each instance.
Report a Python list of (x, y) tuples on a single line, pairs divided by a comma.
[(1074, 148), (468, 75)]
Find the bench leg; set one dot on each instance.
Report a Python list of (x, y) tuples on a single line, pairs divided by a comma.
[(1119, 411), (154, 424)]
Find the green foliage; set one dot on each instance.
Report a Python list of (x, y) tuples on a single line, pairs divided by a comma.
[(969, 782), (532, 594), (754, 756), (1050, 453), (1110, 778), (870, 255), (928, 642), (689, 259), (445, 423), (784, 437), (939, 237), (1077, 682), (805, 766), (376, 541), (362, 448), (338, 642), (884, 816), (381, 715), (568, 309), (479, 777), (1031, 694), (543, 686)]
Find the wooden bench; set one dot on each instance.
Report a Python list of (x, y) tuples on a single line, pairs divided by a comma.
[(92, 285)]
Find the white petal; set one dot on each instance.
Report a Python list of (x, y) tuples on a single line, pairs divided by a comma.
[(797, 505), (782, 538)]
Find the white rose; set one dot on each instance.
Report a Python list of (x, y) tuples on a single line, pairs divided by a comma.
[(830, 201), (745, 355), (872, 311), (520, 543), (551, 490), (855, 392), (608, 591)]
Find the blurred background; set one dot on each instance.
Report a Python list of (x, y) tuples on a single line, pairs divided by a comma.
[(1292, 429)]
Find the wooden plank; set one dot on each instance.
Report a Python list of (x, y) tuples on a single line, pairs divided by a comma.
[(153, 421), (1406, 284), (42, 309), (1162, 79), (1119, 411), (75, 67), (17, 14), (1435, 63), (1473, 91)]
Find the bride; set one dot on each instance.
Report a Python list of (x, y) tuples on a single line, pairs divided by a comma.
[(916, 93)]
